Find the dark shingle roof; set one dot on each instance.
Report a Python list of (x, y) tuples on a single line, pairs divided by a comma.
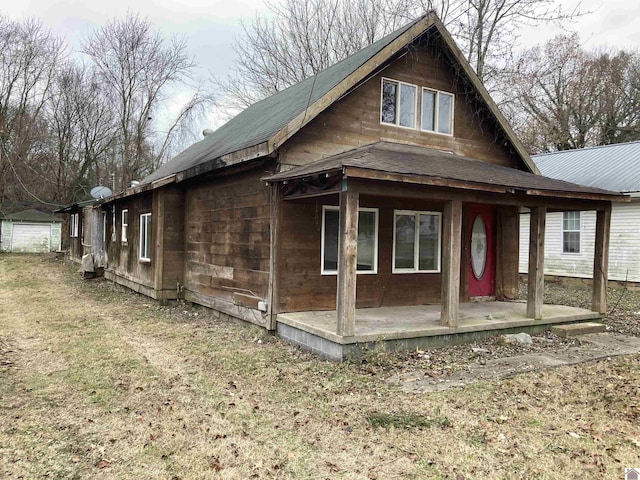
[(75, 206), (613, 167), (32, 215), (262, 120), (428, 162)]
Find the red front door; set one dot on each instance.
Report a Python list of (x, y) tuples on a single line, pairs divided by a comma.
[(481, 245)]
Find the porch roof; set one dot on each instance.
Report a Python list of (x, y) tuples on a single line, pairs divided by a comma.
[(406, 163)]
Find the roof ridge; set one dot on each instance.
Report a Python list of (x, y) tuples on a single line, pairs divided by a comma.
[(582, 149)]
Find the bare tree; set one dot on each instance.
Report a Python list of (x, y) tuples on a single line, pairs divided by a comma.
[(82, 131), (29, 58), (487, 30), (564, 97), (137, 68), (302, 37)]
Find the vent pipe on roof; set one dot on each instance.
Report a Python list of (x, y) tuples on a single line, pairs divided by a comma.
[(206, 132), (135, 183)]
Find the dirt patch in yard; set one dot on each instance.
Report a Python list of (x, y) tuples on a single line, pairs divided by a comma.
[(135, 390), (586, 348)]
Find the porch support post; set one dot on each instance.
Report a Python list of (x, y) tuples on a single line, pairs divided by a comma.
[(536, 263), (347, 263), (507, 252), (601, 261), (273, 295), (451, 247)]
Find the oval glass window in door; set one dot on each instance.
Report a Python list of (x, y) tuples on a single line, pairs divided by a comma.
[(478, 247)]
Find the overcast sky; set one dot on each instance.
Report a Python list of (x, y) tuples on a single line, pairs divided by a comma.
[(210, 26)]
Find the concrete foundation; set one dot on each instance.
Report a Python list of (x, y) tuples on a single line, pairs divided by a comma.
[(407, 328)]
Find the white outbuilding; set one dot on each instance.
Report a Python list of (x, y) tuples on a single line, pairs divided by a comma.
[(30, 231)]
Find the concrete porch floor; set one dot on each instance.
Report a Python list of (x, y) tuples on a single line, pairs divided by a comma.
[(413, 326)]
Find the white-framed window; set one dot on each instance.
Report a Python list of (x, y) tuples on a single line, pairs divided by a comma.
[(437, 111), (416, 241), (367, 240), (145, 237), (73, 225), (571, 222), (125, 225), (399, 105)]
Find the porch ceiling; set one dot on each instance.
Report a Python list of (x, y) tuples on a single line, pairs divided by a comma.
[(411, 164), (392, 323)]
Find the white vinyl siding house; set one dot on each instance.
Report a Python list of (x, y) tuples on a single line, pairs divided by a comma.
[(624, 247), (612, 167)]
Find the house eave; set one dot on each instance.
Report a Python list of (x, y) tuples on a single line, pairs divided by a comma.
[(473, 77), (132, 191), (579, 195), (254, 152)]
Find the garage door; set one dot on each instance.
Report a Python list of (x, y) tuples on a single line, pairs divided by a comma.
[(31, 237)]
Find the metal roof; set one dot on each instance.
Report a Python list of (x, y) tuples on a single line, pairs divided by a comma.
[(611, 167), (428, 162), (261, 121)]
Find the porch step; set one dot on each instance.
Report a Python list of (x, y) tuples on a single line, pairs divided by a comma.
[(575, 329)]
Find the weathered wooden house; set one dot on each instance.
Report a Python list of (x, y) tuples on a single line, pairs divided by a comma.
[(371, 202), (86, 230), (569, 242)]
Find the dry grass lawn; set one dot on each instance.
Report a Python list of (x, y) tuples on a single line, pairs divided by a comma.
[(97, 382)]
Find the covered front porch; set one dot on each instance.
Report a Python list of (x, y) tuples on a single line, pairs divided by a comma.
[(417, 326), (451, 192)]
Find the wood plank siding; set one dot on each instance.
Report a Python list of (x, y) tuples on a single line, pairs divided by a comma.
[(125, 265), (354, 120), (168, 244), (227, 251), (303, 287), (75, 242)]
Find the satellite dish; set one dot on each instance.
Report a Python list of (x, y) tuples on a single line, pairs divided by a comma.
[(100, 192)]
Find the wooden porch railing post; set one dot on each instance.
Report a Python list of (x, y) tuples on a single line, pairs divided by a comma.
[(535, 296), (347, 263), (601, 261), (451, 246)]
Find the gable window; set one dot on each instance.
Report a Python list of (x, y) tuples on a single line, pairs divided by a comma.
[(416, 242), (399, 103), (145, 237), (125, 225), (73, 225), (571, 232), (367, 240), (437, 111)]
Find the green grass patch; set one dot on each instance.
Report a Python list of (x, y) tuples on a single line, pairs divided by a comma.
[(404, 420)]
